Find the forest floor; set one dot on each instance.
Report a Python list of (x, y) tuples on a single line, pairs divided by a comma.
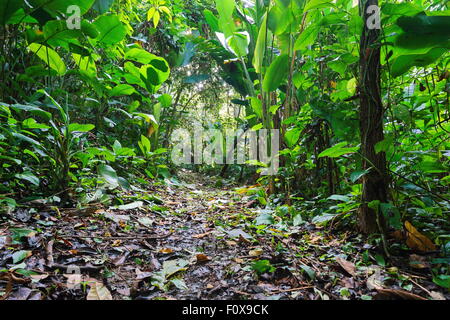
[(192, 240)]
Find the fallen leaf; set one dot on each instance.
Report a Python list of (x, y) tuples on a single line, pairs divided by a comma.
[(437, 295), (20, 256), (256, 252), (392, 294), (202, 235), (347, 266), (202, 258), (375, 281), (418, 262), (166, 250), (145, 221), (417, 241), (98, 291)]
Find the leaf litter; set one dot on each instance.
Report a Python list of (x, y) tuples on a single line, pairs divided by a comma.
[(196, 241)]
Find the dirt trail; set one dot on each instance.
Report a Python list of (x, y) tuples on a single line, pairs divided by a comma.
[(186, 240)]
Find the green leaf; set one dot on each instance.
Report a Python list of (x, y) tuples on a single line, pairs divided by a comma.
[(442, 280), (276, 73), (307, 37), (323, 219), (56, 6), (103, 6), (238, 43), (32, 109), (109, 174), (339, 197), (145, 145), (76, 127), (292, 136), (20, 255), (7, 9), (279, 19), (256, 105), (264, 219), (49, 56), (140, 55), (402, 63), (212, 20), (355, 176), (111, 29), (262, 266), (28, 176), (225, 8), (260, 48), (313, 4), (384, 145), (122, 90), (338, 150), (309, 271)]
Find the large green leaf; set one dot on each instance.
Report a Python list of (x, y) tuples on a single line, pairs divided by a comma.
[(60, 6), (338, 150), (109, 174), (212, 20), (402, 63), (56, 34), (111, 29), (291, 137), (103, 6), (313, 4), (122, 90), (140, 55), (49, 56), (239, 43), (260, 48), (7, 9), (279, 19), (425, 25), (225, 8), (276, 73), (307, 37)]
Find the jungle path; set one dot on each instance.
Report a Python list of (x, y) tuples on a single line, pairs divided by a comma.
[(186, 240)]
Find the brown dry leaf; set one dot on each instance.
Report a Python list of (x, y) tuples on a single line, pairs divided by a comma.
[(166, 250), (231, 243), (256, 252), (398, 235), (209, 286), (418, 262), (243, 240), (392, 294), (238, 260), (375, 281), (98, 291), (347, 266), (437, 295), (202, 258), (202, 235), (417, 241)]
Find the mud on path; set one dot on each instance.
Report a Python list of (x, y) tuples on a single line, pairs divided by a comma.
[(187, 240)]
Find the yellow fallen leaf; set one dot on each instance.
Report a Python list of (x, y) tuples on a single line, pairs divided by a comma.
[(417, 241), (256, 252), (166, 250), (98, 291)]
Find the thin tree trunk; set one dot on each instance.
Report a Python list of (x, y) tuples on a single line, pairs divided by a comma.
[(371, 126)]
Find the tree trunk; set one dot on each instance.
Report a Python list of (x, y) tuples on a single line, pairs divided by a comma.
[(371, 126)]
